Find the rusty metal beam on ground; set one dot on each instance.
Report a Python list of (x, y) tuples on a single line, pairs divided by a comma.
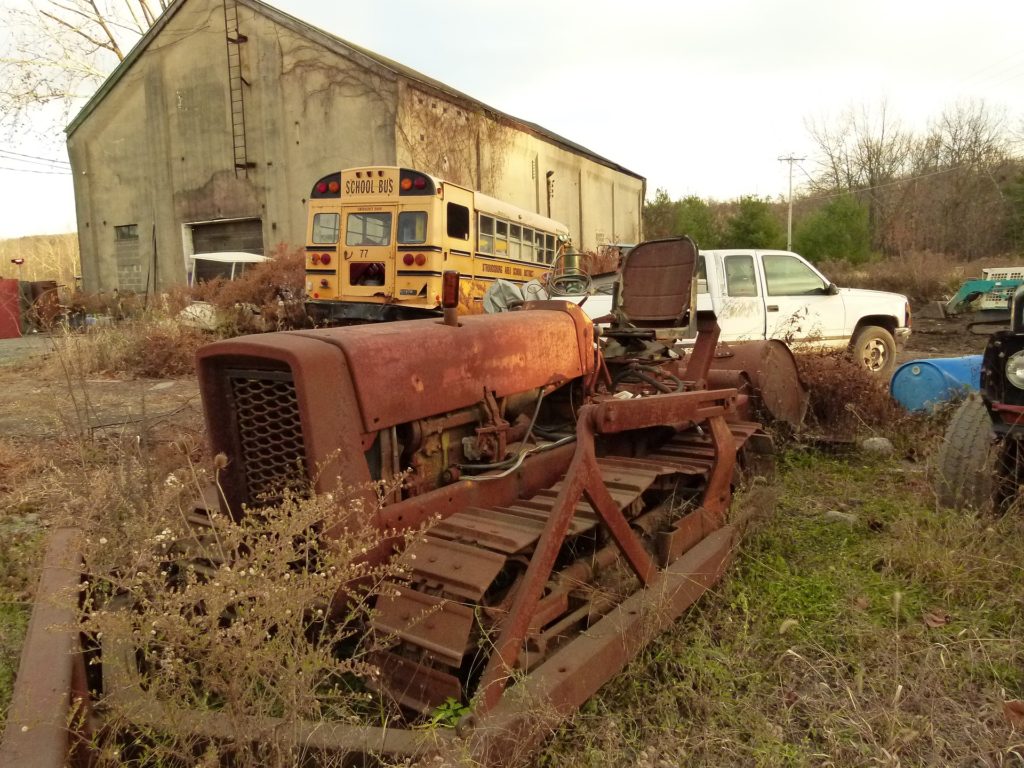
[(37, 733)]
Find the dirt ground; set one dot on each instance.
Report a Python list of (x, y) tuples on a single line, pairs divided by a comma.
[(40, 400), (936, 336)]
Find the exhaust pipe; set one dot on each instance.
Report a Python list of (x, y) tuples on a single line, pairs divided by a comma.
[(1017, 311)]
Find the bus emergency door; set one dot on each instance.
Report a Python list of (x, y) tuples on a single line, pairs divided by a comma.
[(368, 251)]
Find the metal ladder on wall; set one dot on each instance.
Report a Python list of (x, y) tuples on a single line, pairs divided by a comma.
[(235, 39)]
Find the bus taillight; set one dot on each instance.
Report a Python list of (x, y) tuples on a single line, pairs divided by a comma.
[(420, 259), (325, 258), (408, 259)]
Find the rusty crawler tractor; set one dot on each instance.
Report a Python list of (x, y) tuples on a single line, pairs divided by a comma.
[(980, 462), (545, 464)]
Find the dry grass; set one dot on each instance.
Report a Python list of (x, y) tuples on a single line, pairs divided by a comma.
[(845, 399), (268, 296), (149, 347), (920, 275)]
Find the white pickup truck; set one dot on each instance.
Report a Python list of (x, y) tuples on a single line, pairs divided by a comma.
[(779, 295)]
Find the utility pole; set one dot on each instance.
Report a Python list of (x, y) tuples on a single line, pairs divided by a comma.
[(789, 221)]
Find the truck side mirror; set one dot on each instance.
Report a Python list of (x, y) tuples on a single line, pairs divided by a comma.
[(832, 290)]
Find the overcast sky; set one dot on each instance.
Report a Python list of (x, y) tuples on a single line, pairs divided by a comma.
[(699, 97)]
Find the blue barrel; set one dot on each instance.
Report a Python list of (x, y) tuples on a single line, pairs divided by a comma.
[(922, 384)]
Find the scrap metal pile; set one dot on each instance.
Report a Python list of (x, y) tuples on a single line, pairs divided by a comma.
[(537, 466)]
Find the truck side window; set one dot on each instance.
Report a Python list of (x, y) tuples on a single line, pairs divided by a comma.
[(702, 275), (786, 276), (739, 276)]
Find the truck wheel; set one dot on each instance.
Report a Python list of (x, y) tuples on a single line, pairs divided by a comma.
[(965, 462), (874, 348)]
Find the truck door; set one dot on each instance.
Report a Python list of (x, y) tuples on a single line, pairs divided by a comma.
[(798, 304), (368, 252), (741, 311)]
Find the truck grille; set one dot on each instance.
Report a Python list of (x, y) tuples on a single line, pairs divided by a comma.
[(273, 454)]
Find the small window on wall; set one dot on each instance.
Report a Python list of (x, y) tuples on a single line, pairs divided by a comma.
[(126, 232), (458, 221), (486, 244)]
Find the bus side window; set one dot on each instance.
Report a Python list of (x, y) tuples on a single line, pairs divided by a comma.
[(486, 244), (527, 244), (412, 227), (515, 234), (458, 221), (501, 237)]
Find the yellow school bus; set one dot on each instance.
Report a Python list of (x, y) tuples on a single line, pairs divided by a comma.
[(379, 238)]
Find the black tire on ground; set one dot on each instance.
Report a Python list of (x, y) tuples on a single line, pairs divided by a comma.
[(874, 348), (965, 463)]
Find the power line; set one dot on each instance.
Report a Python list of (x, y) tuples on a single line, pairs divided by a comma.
[(35, 170), (41, 163), (34, 157), (892, 183)]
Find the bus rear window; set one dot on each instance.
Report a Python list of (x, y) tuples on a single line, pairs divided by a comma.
[(325, 228), (412, 227), (368, 229)]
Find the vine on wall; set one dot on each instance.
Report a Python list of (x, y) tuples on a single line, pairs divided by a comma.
[(461, 144)]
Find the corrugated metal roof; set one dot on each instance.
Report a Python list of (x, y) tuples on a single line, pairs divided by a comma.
[(351, 51)]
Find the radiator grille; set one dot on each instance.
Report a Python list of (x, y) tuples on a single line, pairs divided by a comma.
[(273, 454)]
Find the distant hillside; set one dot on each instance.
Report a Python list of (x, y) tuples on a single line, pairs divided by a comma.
[(47, 257)]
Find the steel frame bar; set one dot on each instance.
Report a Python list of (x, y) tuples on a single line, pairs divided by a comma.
[(583, 479)]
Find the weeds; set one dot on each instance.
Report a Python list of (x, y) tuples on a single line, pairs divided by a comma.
[(150, 347), (845, 399), (889, 637), (920, 275)]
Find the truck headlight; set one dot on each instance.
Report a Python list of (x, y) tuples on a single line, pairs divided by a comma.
[(1015, 369)]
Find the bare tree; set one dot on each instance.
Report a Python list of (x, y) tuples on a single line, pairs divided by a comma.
[(866, 152), (58, 51)]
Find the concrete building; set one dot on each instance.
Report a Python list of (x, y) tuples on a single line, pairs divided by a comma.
[(212, 131)]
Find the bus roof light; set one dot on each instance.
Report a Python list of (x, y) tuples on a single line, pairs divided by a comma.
[(420, 183), (333, 186), (406, 184), (321, 187)]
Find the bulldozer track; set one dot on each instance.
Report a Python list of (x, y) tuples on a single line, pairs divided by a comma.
[(443, 614)]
